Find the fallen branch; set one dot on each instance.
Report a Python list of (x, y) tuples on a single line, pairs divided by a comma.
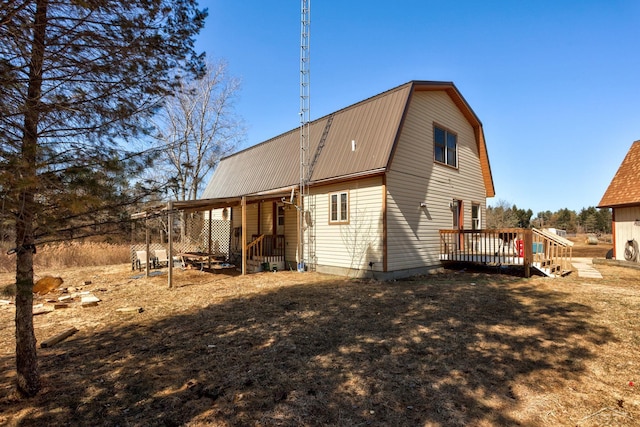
[(606, 408), (60, 337)]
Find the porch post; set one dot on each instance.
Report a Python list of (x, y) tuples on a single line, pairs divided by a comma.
[(146, 242), (243, 235), (170, 238), (210, 238)]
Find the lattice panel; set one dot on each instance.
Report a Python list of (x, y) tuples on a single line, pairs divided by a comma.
[(220, 235), (192, 232)]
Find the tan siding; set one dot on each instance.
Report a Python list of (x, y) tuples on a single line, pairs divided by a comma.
[(252, 221), (352, 245), (266, 220), (414, 177), (236, 217), (291, 234), (626, 228)]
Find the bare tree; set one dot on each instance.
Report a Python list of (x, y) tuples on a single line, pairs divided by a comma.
[(501, 216), (198, 127)]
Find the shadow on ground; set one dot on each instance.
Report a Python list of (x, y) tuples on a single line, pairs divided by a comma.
[(430, 352)]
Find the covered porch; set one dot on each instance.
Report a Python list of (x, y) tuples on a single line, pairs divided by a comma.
[(249, 233), (530, 248)]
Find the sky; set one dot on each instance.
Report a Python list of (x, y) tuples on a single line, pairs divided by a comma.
[(556, 83)]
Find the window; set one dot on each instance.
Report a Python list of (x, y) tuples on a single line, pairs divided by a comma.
[(280, 215), (339, 208), (475, 217), (445, 146)]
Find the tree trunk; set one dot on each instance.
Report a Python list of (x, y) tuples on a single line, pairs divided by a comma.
[(28, 380)]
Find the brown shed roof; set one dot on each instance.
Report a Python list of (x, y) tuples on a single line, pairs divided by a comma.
[(624, 189), (373, 124)]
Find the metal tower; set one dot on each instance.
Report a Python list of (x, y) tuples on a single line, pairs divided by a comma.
[(303, 212)]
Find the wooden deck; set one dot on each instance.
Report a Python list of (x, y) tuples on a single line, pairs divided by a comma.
[(530, 248)]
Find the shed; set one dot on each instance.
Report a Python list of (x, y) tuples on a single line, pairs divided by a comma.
[(623, 197)]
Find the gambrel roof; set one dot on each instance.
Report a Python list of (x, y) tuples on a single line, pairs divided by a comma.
[(374, 124), (624, 189)]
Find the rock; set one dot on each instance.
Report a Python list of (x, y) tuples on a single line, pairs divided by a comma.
[(47, 284)]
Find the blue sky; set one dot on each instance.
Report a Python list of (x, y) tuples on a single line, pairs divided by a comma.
[(556, 83)]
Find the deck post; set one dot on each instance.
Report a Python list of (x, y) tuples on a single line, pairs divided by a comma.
[(528, 251)]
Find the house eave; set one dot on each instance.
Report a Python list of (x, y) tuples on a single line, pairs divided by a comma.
[(619, 205), (349, 177)]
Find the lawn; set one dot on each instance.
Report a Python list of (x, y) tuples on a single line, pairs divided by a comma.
[(468, 348)]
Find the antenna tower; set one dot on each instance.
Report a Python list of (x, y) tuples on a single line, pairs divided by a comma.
[(305, 23)]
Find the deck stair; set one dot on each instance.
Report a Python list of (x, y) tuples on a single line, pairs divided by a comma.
[(551, 253), (255, 254), (265, 252)]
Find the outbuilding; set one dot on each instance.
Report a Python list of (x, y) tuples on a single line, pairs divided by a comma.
[(623, 197)]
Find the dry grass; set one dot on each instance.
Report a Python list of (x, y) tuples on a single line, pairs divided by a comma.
[(289, 349), (72, 254)]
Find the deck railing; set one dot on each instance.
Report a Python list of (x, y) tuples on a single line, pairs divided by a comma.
[(543, 250), (265, 249), (255, 247), (272, 245)]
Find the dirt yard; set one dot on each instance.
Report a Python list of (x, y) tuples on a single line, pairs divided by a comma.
[(582, 249), (288, 349)]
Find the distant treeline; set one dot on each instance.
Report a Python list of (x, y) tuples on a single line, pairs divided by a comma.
[(588, 220)]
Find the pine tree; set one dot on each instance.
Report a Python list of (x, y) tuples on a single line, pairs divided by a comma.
[(79, 80)]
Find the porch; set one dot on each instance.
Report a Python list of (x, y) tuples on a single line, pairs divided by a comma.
[(243, 233), (530, 248)]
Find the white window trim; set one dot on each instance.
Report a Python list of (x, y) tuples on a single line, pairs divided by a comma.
[(339, 212)]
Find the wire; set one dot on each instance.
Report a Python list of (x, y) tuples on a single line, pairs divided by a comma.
[(631, 250)]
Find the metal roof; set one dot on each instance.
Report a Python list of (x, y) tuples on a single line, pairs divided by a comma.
[(624, 189), (370, 126)]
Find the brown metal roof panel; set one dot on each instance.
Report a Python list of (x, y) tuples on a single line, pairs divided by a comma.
[(624, 189), (372, 125), (261, 167)]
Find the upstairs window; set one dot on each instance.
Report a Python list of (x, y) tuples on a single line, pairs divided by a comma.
[(339, 208), (445, 146)]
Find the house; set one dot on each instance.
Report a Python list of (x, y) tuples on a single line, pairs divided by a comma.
[(623, 197), (384, 175)]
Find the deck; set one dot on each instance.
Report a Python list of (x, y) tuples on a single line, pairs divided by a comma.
[(531, 248)]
